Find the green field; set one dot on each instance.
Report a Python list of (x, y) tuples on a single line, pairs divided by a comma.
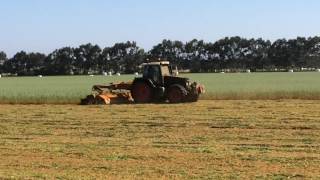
[(69, 89)]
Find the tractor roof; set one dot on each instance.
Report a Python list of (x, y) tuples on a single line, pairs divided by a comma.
[(156, 63)]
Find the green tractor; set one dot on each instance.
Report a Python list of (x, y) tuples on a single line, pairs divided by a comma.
[(159, 83)]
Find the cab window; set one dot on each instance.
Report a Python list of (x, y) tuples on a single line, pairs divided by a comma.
[(153, 72), (165, 70)]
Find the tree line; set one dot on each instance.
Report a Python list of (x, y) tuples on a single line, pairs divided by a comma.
[(230, 53)]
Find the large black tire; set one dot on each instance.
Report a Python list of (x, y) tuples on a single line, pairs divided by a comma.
[(193, 98), (141, 92), (176, 94)]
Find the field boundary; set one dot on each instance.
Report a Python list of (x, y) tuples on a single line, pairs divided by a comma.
[(278, 95), (275, 95)]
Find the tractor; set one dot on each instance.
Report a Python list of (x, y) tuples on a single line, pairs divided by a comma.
[(157, 84)]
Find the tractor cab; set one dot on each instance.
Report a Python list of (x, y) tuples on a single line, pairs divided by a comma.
[(156, 71)]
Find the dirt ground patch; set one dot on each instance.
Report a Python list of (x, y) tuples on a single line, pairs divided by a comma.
[(208, 139)]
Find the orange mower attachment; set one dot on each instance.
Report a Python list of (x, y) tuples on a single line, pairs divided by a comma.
[(114, 93)]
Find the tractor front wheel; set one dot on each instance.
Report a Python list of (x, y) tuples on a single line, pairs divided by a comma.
[(141, 92), (193, 98), (176, 94)]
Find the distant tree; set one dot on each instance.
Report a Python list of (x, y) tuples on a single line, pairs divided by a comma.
[(19, 63), (228, 52), (124, 57), (104, 60), (3, 58), (279, 54), (255, 55), (87, 59), (237, 53), (25, 64), (3, 55), (233, 53), (35, 63), (60, 62), (170, 51), (298, 49), (312, 56), (195, 56)]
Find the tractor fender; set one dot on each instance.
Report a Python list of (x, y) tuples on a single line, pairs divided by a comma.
[(147, 81)]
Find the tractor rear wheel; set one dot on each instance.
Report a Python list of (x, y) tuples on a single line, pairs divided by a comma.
[(176, 94), (141, 92)]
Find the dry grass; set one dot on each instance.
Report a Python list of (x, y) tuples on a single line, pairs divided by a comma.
[(208, 139)]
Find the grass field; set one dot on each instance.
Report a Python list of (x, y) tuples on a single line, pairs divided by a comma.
[(69, 89), (256, 139)]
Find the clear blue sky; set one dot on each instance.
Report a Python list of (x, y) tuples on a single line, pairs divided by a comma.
[(44, 25)]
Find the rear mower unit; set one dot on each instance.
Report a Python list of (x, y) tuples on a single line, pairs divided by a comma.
[(158, 84)]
